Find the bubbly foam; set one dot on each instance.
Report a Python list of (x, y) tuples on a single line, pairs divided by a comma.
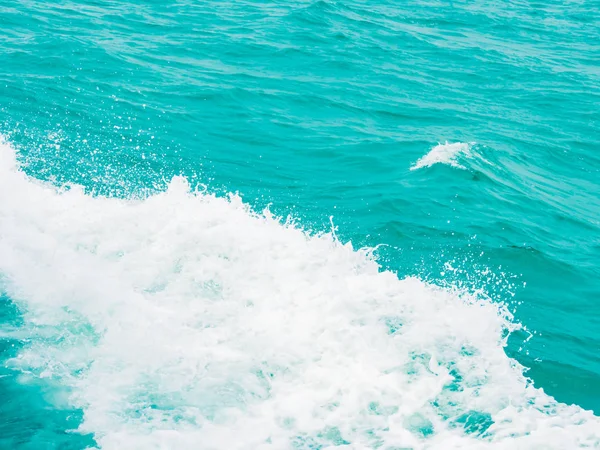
[(188, 321), (444, 154)]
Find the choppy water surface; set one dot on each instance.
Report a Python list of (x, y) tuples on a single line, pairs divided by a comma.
[(299, 225)]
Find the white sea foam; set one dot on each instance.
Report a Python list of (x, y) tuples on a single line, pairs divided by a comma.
[(186, 321), (444, 154)]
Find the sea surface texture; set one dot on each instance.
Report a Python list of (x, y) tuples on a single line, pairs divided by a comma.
[(240, 225)]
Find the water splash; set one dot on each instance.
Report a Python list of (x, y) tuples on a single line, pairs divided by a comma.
[(186, 318)]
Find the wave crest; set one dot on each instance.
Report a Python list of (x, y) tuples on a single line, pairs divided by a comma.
[(444, 154)]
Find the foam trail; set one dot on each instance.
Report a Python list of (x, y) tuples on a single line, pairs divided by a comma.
[(187, 321), (444, 154)]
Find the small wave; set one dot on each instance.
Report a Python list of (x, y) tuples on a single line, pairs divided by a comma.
[(186, 320), (444, 154)]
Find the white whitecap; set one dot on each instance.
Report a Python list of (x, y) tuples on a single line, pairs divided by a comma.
[(187, 321), (447, 153)]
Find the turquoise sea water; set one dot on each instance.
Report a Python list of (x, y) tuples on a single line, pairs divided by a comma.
[(149, 300)]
